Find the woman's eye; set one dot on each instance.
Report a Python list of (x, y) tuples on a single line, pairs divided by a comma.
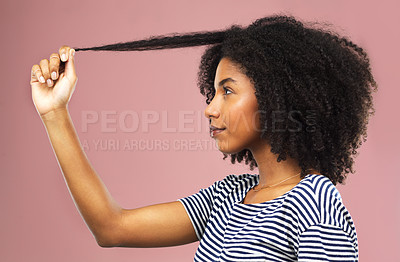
[(226, 89)]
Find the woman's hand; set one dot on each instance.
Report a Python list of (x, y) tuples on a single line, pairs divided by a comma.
[(54, 81)]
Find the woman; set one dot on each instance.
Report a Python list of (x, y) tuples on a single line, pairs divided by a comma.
[(292, 100)]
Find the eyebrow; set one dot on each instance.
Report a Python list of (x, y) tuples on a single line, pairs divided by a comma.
[(226, 80)]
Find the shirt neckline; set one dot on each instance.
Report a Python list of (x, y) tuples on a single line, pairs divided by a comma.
[(272, 201)]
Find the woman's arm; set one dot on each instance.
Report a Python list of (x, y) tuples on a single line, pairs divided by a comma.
[(158, 225), (91, 197)]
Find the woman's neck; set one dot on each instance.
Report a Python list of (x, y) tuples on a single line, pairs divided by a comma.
[(272, 172)]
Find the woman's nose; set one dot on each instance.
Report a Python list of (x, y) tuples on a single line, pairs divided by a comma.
[(211, 111)]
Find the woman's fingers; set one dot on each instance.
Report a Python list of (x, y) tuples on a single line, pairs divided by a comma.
[(53, 81), (37, 73), (44, 66), (64, 51), (49, 71), (54, 65)]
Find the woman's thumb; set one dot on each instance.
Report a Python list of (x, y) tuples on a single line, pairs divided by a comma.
[(70, 64)]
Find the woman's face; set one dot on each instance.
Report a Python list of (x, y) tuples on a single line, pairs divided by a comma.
[(235, 108)]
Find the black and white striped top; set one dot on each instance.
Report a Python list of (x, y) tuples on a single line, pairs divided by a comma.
[(307, 223)]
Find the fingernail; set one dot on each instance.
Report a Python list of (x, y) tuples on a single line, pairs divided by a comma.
[(54, 75), (42, 79), (73, 52), (49, 82), (63, 57)]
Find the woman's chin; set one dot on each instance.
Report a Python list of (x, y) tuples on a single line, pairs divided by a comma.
[(226, 149)]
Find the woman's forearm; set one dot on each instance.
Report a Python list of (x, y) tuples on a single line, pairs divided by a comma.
[(95, 204)]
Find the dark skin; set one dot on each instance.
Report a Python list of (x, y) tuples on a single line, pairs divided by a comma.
[(235, 107)]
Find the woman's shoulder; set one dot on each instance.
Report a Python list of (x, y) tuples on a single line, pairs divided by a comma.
[(320, 186), (234, 180), (324, 203), (241, 177), (317, 192)]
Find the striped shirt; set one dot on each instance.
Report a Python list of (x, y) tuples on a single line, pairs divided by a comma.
[(307, 223)]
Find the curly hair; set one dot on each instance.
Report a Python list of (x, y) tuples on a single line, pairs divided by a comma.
[(319, 81)]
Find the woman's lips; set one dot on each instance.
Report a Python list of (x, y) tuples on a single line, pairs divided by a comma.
[(214, 132)]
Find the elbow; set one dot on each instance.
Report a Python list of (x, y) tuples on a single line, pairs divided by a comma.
[(107, 238), (106, 242), (109, 235)]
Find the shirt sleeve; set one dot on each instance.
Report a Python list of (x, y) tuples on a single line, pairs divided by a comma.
[(198, 206), (326, 243)]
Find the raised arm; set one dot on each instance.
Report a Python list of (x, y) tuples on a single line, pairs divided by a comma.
[(158, 225)]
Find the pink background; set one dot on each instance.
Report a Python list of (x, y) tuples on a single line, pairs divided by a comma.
[(39, 221)]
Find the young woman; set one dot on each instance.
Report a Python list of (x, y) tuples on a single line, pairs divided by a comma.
[(291, 100)]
